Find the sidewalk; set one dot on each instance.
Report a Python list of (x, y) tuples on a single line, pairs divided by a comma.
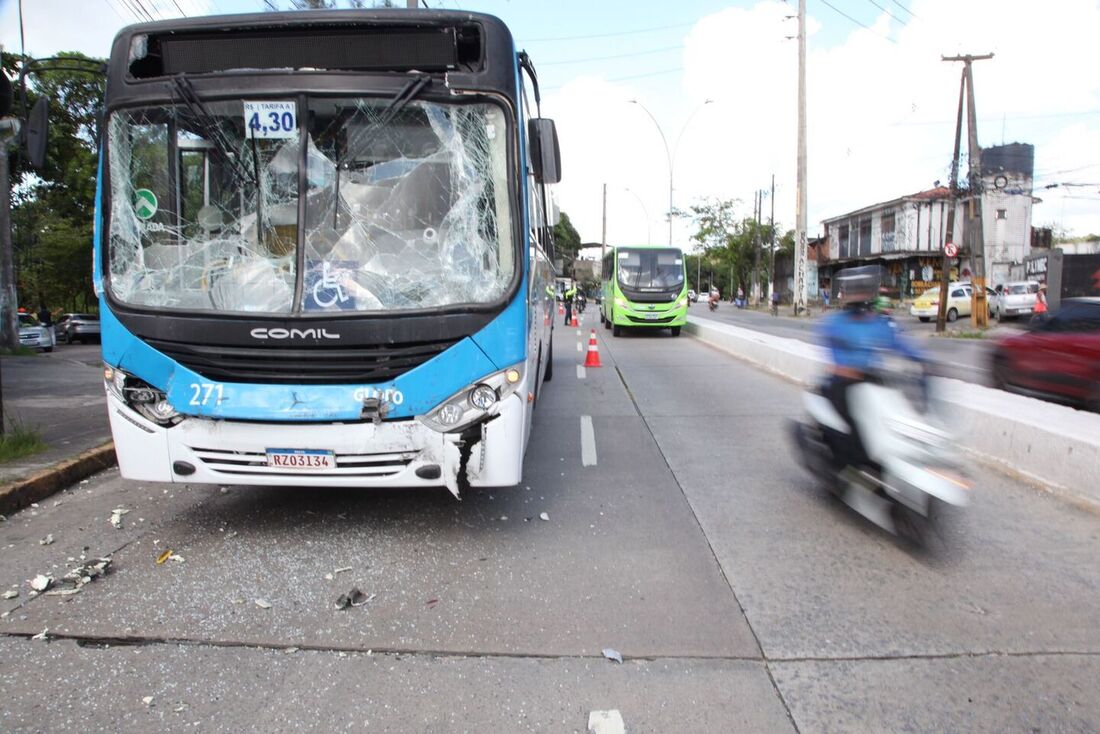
[(60, 395)]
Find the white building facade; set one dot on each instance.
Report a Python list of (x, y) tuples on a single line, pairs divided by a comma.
[(907, 235)]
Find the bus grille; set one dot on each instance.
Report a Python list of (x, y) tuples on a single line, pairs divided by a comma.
[(319, 365), (254, 463), (662, 320)]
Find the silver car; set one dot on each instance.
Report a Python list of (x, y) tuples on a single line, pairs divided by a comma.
[(34, 335), (78, 327)]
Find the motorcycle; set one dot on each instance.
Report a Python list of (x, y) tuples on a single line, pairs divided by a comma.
[(713, 303), (914, 475)]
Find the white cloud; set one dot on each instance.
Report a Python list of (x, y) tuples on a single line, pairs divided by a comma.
[(880, 112)]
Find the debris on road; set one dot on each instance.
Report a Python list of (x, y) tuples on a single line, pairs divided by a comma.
[(342, 570), (354, 598), (606, 722), (263, 603), (431, 603), (147, 700), (164, 557), (612, 654), (75, 579), (11, 593), (290, 650), (224, 490), (544, 516), (116, 516), (48, 540), (231, 534), (43, 635), (41, 582)]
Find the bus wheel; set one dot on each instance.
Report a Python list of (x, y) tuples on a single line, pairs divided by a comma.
[(607, 322), (675, 330), (548, 373), (616, 330)]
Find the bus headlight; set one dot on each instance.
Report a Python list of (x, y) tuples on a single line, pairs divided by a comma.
[(474, 402), (140, 396), (482, 397), (682, 303), (620, 302)]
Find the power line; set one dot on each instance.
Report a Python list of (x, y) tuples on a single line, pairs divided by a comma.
[(632, 76), (616, 56), (904, 8), (886, 11), (609, 35), (859, 23)]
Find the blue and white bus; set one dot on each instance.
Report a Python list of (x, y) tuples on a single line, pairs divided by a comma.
[(323, 249)]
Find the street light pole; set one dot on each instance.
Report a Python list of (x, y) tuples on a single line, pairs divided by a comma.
[(670, 153), (645, 211)]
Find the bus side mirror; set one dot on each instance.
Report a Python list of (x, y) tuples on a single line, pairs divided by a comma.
[(545, 153), (35, 133)]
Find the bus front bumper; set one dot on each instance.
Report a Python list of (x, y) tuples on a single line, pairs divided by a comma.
[(401, 453), (657, 319)]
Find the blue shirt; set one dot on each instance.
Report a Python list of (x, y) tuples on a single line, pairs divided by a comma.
[(855, 340)]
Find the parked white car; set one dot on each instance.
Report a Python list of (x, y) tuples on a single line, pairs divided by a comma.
[(1015, 299), (34, 335)]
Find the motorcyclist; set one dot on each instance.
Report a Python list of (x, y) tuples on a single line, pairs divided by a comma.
[(855, 337), (713, 298)]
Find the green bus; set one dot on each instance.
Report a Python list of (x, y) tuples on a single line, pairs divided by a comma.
[(644, 286)]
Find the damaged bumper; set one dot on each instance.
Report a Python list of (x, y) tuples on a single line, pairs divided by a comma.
[(399, 453)]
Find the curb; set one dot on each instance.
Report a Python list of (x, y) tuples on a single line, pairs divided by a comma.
[(14, 496)]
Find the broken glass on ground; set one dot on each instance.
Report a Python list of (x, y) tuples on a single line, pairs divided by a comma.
[(612, 654), (405, 210)]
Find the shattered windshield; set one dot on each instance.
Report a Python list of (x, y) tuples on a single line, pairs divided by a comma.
[(651, 269), (394, 210)]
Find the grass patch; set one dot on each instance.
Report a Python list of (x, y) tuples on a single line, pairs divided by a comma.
[(19, 352), (20, 441), (971, 334)]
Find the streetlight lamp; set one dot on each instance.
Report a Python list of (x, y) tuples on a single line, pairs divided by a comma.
[(670, 154)]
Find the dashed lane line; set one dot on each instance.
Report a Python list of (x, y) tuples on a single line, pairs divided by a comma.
[(588, 441)]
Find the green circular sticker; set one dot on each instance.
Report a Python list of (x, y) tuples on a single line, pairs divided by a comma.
[(145, 204)]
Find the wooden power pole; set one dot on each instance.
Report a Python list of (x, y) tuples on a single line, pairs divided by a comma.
[(949, 234), (975, 236)]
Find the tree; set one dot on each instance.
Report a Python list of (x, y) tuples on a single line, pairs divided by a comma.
[(729, 242), (567, 241), (53, 209)]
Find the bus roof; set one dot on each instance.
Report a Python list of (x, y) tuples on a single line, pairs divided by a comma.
[(474, 51)]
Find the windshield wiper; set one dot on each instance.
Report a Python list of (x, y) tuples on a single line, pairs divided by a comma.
[(405, 95), (185, 93)]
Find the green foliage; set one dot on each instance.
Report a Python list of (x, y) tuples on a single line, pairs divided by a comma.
[(567, 241), (19, 441), (53, 209), (729, 243)]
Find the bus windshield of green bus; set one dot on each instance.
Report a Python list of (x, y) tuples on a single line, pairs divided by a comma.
[(394, 209), (651, 269)]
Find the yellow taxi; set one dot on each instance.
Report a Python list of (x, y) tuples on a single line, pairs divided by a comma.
[(927, 305)]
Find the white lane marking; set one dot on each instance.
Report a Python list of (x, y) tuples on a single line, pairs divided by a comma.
[(578, 332), (579, 349), (588, 441), (581, 374)]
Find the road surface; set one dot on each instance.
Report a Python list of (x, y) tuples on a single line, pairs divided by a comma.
[(677, 531)]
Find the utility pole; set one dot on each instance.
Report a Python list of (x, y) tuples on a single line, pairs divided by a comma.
[(945, 265), (975, 236), (603, 235), (758, 200), (771, 226), (800, 206)]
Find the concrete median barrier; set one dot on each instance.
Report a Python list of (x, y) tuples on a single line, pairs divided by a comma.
[(1052, 446)]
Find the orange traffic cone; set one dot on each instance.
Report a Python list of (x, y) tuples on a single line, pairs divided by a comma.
[(593, 358), (561, 309), (574, 321)]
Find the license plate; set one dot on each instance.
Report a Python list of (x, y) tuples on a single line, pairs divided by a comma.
[(300, 459), (652, 316)]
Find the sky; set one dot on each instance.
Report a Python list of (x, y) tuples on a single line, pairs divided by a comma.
[(628, 84)]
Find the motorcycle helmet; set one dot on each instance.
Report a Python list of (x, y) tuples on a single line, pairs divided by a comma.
[(860, 285)]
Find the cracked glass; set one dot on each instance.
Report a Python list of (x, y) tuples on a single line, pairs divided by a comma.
[(394, 209)]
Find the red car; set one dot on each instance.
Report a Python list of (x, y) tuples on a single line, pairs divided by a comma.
[(1059, 355)]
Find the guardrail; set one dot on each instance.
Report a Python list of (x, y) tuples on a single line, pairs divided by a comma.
[(1052, 446)]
